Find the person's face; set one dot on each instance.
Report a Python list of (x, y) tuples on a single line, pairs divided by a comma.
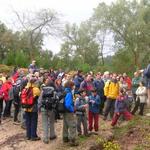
[(136, 75), (89, 78), (98, 76), (1, 82), (47, 81)]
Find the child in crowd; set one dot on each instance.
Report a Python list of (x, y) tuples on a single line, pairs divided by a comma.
[(121, 108), (141, 98), (94, 105), (81, 106)]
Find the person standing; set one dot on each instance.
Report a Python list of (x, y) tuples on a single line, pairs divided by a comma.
[(135, 83), (31, 114), (69, 119), (48, 115), (94, 103), (111, 91)]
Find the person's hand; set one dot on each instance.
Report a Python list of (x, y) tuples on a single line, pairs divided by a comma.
[(92, 101), (85, 106), (118, 113)]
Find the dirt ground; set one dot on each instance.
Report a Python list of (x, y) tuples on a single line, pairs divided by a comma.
[(12, 137)]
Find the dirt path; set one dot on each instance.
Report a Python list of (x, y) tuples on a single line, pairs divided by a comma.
[(12, 137)]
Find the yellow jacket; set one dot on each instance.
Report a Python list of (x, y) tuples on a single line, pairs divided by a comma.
[(111, 90), (36, 92)]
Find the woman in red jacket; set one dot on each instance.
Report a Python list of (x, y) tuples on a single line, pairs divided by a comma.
[(7, 86)]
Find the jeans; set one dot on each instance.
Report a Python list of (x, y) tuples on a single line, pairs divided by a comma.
[(7, 110), (110, 106), (48, 120), (82, 119), (69, 126), (1, 108), (95, 117), (137, 105), (16, 111), (126, 115), (31, 124)]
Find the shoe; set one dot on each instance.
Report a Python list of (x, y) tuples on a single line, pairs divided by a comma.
[(23, 127), (45, 141), (16, 122), (73, 142), (87, 134), (53, 138), (65, 140), (104, 118), (79, 134), (35, 139), (28, 138)]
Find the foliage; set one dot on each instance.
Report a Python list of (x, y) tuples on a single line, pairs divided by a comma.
[(107, 145)]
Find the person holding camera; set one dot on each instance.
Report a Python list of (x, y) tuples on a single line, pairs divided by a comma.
[(47, 106)]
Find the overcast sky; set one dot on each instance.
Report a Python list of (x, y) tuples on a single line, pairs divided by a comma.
[(74, 11)]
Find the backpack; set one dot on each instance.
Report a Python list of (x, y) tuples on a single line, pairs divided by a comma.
[(27, 99), (61, 103), (48, 98), (17, 87), (147, 71)]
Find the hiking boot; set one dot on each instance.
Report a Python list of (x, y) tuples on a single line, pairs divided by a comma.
[(87, 134), (53, 138), (104, 118), (73, 142), (79, 134), (65, 140), (23, 127), (35, 139), (45, 141), (16, 122)]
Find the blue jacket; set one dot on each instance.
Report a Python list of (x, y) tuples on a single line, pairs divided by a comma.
[(80, 102), (77, 81), (99, 86), (96, 106), (69, 104), (121, 105)]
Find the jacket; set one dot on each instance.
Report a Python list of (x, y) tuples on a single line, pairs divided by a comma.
[(69, 104), (94, 107), (111, 89), (80, 102), (141, 93), (135, 83), (120, 104), (5, 89), (36, 94), (99, 86)]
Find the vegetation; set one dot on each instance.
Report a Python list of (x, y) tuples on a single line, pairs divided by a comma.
[(116, 37)]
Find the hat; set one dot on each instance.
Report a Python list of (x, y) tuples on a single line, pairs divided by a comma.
[(106, 73)]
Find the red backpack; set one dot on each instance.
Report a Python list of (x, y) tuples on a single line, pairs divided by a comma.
[(27, 99)]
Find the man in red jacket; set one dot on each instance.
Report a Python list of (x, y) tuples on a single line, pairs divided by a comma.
[(6, 87)]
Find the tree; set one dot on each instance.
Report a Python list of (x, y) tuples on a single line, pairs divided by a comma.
[(38, 25)]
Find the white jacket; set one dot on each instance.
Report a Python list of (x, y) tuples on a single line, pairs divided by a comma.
[(141, 93)]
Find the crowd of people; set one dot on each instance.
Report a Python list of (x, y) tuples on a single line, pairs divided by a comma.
[(84, 99)]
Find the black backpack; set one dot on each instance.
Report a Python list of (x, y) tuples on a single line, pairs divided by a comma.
[(49, 98), (61, 103), (17, 88)]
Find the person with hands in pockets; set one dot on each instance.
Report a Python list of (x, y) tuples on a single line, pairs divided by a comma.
[(94, 105), (81, 106)]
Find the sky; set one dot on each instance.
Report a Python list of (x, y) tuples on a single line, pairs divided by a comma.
[(73, 11)]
